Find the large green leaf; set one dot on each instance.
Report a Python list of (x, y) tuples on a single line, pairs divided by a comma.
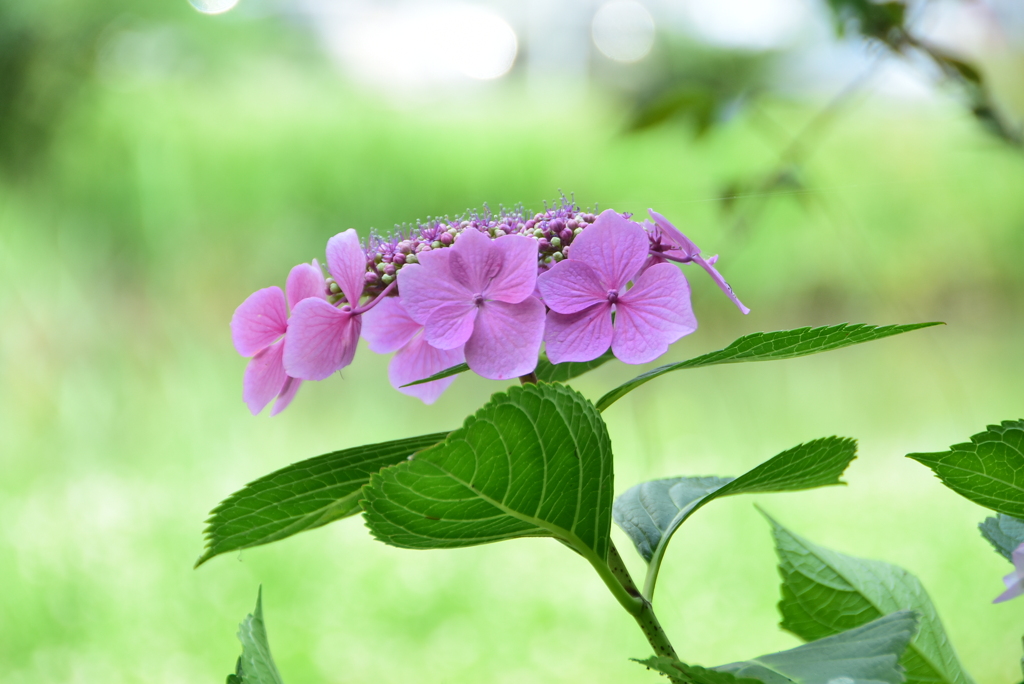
[(767, 346), (255, 665), (534, 461), (988, 470), (302, 496), (651, 512), (868, 654), (825, 593), (1005, 533)]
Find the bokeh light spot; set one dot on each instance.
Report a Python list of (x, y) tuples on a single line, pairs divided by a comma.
[(213, 6), (623, 30)]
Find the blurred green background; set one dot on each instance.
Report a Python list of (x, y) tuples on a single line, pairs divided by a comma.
[(143, 197)]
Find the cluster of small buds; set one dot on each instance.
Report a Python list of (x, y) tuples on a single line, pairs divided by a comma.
[(554, 229), (488, 289)]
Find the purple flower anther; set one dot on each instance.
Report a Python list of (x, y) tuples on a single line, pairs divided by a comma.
[(259, 329), (1015, 580), (322, 338), (669, 244), (389, 328), (479, 293), (584, 290)]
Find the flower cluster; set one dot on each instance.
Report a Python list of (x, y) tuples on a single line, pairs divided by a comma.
[(487, 289)]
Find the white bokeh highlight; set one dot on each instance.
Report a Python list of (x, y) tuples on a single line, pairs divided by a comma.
[(213, 6), (747, 24), (623, 30)]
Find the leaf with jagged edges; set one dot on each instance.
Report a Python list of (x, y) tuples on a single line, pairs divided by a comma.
[(768, 346), (651, 512), (825, 593), (535, 461), (988, 470), (1004, 532), (255, 665), (302, 496), (868, 654)]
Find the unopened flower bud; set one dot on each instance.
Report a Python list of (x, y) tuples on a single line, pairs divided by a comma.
[(412, 259), (334, 288), (577, 231), (557, 256), (371, 277), (437, 244), (398, 259), (389, 270), (447, 238), (388, 279), (571, 224), (538, 233), (556, 242)]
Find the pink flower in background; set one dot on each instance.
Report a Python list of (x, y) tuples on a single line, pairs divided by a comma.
[(258, 329), (389, 328), (671, 245), (584, 290), (1015, 580), (322, 337), (479, 293)]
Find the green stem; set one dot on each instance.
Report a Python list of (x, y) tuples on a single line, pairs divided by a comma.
[(619, 581)]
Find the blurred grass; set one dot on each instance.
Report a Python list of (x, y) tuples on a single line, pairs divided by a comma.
[(121, 423)]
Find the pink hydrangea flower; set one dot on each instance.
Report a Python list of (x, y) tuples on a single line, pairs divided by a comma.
[(1015, 580), (479, 293), (258, 329), (671, 245), (389, 328), (322, 337), (584, 290)]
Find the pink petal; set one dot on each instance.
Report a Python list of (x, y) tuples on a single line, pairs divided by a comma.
[(652, 315), (506, 339), (571, 286), (288, 392), (259, 320), (614, 247), (418, 360), (388, 326), (429, 284), (264, 377), (451, 325), (305, 280), (720, 281), (517, 278), (1014, 588), (321, 340), (673, 236), (474, 260), (580, 336), (347, 263)]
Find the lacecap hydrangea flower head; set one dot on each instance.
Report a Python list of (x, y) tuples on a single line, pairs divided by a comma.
[(487, 289)]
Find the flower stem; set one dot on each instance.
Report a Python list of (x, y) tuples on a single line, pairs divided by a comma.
[(642, 612)]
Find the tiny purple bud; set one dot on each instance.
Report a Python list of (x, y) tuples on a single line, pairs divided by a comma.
[(370, 277), (447, 239), (389, 270), (398, 259)]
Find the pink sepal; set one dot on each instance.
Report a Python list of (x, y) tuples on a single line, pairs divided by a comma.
[(506, 339), (259, 321), (264, 377), (321, 340)]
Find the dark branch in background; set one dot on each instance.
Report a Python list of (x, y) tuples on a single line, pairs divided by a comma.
[(708, 101)]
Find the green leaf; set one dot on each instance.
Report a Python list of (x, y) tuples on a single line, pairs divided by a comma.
[(988, 470), (534, 461), (302, 496), (1004, 532), (256, 665), (446, 373), (825, 593), (564, 372), (768, 346), (868, 654), (679, 671), (651, 512)]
